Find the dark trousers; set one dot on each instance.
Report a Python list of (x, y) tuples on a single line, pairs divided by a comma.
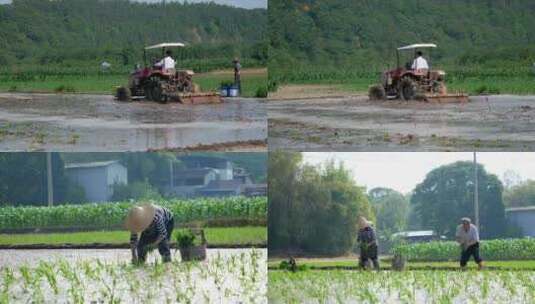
[(149, 238), (472, 250), (368, 253)]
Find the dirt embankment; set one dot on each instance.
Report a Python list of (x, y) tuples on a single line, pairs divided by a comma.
[(310, 91)]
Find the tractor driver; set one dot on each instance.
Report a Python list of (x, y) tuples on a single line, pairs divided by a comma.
[(167, 63), (419, 62)]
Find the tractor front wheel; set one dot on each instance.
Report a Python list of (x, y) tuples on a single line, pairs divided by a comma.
[(408, 89), (377, 92), (123, 94), (158, 95)]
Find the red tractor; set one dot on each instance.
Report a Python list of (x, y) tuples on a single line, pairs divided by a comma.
[(161, 85), (409, 82)]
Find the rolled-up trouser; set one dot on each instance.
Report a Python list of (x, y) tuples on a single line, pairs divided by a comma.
[(149, 238), (368, 253), (472, 250)]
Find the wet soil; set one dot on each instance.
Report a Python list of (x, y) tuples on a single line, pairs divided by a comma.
[(490, 123), (64, 122)]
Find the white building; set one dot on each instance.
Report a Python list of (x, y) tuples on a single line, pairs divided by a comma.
[(97, 178)]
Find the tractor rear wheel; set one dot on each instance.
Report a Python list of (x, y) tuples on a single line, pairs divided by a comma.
[(377, 92), (148, 91), (407, 89)]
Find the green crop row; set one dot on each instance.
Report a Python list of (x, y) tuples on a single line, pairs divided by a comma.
[(111, 215), (320, 74), (501, 249)]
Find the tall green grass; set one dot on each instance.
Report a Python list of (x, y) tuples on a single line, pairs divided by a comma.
[(470, 79)]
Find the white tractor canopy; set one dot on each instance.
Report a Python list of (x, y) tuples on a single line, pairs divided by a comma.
[(165, 45), (417, 46)]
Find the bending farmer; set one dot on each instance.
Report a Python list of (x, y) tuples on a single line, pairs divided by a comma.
[(468, 237), (155, 224), (368, 244)]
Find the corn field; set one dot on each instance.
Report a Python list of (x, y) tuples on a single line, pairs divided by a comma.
[(503, 249), (104, 215)]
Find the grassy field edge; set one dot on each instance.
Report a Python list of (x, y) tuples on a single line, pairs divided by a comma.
[(214, 236)]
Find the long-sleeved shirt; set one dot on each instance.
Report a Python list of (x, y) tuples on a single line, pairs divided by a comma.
[(420, 64), (467, 238), (366, 236), (158, 227)]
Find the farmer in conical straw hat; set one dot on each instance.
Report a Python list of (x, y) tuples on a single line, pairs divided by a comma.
[(468, 237), (368, 243), (155, 224)]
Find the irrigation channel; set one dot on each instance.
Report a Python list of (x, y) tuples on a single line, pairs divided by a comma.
[(77, 122), (493, 123), (106, 276)]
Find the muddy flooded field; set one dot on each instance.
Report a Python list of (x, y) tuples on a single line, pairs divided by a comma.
[(62, 122), (106, 276), (347, 124)]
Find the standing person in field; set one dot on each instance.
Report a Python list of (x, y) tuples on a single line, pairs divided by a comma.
[(367, 241), (155, 224), (419, 62), (237, 73), (468, 237)]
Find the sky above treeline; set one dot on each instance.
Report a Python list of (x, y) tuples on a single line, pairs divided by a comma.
[(249, 4), (404, 170)]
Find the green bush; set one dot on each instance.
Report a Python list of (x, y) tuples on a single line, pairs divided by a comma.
[(501, 249), (111, 215), (65, 89), (135, 191), (261, 92)]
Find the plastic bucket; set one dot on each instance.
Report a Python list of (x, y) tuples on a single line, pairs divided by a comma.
[(233, 92), (224, 91)]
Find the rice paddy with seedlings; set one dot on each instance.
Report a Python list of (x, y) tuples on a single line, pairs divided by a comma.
[(438, 286), (78, 276)]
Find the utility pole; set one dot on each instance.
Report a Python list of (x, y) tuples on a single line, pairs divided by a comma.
[(476, 197), (49, 182), (171, 175)]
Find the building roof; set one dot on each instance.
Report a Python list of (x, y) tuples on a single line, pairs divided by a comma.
[(223, 185), (201, 161), (516, 209), (415, 233), (165, 45), (417, 46), (189, 173), (90, 164)]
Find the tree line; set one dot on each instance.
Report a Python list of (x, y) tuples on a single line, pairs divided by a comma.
[(314, 210), (364, 34), (23, 178), (81, 32)]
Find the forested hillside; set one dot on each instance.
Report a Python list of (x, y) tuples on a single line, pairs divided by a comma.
[(78, 32), (345, 35)]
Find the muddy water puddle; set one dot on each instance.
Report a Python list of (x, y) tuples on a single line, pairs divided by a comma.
[(99, 123), (349, 124)]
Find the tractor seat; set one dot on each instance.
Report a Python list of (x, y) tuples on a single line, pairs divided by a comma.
[(421, 72), (169, 71), (187, 72)]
